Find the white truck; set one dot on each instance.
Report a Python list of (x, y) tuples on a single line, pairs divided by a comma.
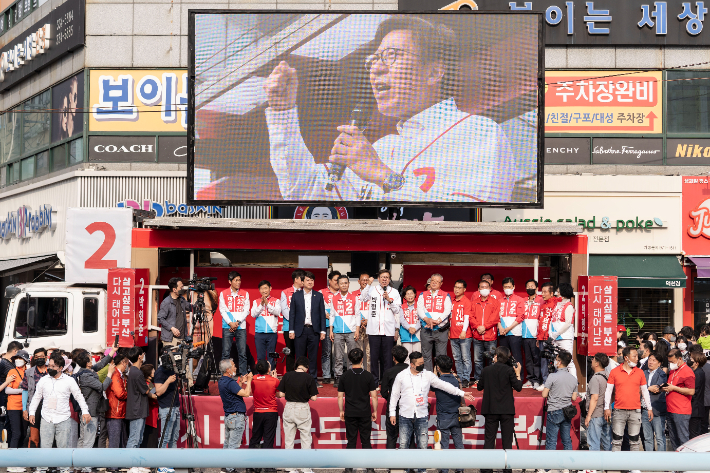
[(55, 314)]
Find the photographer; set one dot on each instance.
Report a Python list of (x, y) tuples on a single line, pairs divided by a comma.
[(447, 407), (165, 381), (498, 407), (560, 391), (264, 387), (235, 411)]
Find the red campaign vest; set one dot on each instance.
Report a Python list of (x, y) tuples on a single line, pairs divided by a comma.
[(327, 295), (532, 309), (547, 310), (345, 306), (410, 315), (558, 314), (234, 303), (289, 295), (434, 303)]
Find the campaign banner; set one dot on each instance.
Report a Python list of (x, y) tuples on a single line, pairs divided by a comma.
[(603, 102), (142, 301), (597, 314), (120, 313), (328, 431)]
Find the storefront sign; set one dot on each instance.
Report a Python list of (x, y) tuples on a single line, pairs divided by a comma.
[(121, 300), (600, 22), (687, 151), (168, 209), (696, 215), (141, 312), (142, 100), (597, 314), (627, 151), (23, 223), (172, 149), (619, 215), (48, 40), (567, 151), (122, 148), (603, 102)]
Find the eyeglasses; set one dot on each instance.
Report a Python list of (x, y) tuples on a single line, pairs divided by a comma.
[(387, 56)]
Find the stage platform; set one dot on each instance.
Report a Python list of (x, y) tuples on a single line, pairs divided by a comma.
[(328, 430)]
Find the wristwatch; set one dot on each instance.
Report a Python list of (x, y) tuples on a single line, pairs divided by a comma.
[(394, 182)]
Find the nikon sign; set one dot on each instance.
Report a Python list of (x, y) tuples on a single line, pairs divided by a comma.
[(687, 151)]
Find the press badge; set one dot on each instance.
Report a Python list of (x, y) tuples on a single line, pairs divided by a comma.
[(51, 402), (421, 401)]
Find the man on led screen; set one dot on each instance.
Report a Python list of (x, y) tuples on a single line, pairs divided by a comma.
[(440, 153)]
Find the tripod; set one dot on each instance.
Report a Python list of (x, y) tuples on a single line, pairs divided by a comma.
[(205, 333), (186, 406)]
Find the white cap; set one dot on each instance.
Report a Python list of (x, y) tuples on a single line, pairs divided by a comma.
[(97, 349)]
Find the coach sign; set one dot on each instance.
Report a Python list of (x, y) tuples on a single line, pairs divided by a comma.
[(48, 40)]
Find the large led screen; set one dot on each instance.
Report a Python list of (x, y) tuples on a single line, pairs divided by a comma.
[(396, 109)]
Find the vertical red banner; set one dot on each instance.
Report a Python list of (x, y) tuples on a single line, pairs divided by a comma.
[(602, 314), (582, 314), (141, 292), (121, 306)]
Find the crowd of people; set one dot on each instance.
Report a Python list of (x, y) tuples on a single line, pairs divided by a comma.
[(111, 397)]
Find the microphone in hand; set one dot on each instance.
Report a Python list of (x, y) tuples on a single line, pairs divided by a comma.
[(359, 117)]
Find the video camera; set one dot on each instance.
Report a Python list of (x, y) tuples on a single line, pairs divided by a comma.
[(176, 358), (201, 285), (549, 350), (280, 356), (490, 354)]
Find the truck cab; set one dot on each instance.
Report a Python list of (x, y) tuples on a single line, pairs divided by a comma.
[(55, 314)]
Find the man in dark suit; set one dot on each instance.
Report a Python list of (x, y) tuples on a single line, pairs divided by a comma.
[(497, 382), (655, 377), (307, 323)]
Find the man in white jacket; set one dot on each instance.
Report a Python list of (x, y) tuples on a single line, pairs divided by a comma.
[(382, 321)]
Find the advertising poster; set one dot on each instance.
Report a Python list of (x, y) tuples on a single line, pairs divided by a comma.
[(695, 222), (68, 100), (138, 100), (603, 102)]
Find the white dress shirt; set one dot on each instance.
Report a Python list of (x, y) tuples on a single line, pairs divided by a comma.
[(55, 392), (470, 155), (411, 392), (307, 296)]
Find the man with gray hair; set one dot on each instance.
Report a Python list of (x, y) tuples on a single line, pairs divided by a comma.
[(434, 309), (235, 411)]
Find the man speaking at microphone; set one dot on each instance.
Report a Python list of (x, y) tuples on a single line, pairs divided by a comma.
[(440, 153)]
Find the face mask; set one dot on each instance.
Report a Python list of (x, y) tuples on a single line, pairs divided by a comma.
[(557, 364), (619, 359), (673, 338), (419, 368), (485, 292), (531, 292), (682, 346), (672, 366), (653, 342), (96, 358), (52, 372), (143, 358), (508, 292), (632, 364), (19, 363), (41, 361)]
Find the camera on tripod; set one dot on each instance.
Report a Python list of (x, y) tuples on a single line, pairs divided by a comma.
[(177, 358), (549, 350), (201, 285), (279, 357)]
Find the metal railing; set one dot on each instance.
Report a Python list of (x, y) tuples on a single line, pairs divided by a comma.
[(331, 458)]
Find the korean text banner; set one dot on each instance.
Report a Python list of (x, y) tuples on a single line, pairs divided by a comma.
[(138, 100), (121, 306), (361, 109), (603, 102)]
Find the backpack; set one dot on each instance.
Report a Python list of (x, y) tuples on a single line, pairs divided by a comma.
[(75, 405)]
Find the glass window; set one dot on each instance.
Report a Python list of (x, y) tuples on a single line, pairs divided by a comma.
[(13, 173), (59, 157), (42, 163), (28, 168), (76, 152), (653, 307), (10, 136), (37, 122), (702, 302), (91, 314), (47, 316), (688, 102)]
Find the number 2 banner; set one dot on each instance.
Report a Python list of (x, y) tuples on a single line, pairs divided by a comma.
[(97, 240)]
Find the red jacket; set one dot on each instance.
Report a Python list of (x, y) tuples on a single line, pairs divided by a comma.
[(545, 319), (117, 396), (486, 313)]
